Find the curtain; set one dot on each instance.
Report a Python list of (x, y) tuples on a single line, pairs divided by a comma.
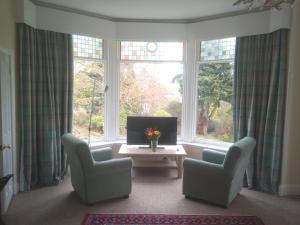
[(260, 80), (45, 102)]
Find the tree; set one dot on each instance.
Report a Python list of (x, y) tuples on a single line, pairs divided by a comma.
[(214, 86), (88, 76), (140, 92)]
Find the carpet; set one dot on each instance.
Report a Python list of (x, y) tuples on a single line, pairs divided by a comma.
[(164, 219)]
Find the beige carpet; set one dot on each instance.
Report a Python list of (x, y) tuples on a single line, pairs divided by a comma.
[(153, 191)]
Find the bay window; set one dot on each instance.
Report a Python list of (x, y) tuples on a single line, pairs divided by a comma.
[(147, 79)]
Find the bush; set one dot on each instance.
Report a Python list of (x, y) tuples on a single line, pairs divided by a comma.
[(97, 123), (81, 118), (162, 113)]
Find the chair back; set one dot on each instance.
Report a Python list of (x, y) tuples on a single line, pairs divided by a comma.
[(79, 154), (238, 157)]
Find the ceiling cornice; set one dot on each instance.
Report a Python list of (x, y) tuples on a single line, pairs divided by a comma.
[(117, 19)]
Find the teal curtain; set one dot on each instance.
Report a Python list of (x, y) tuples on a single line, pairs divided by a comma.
[(260, 80), (45, 78)]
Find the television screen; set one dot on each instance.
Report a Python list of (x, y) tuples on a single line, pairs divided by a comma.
[(136, 126)]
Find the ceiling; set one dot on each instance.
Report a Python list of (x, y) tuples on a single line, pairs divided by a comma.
[(147, 9)]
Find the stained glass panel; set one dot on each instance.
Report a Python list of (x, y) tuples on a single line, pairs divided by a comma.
[(151, 51), (218, 50), (87, 47)]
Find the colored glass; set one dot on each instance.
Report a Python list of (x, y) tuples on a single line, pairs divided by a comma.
[(151, 51), (218, 50), (87, 47)]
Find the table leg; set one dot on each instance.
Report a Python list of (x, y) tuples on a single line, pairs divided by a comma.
[(179, 166)]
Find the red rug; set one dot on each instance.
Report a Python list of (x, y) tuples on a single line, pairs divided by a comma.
[(157, 219)]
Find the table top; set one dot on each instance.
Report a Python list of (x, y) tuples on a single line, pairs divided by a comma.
[(167, 150)]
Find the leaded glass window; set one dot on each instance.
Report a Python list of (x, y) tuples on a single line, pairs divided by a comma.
[(88, 94), (151, 51), (87, 47), (214, 90), (217, 50)]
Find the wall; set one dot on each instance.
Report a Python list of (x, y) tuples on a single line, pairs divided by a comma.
[(151, 31), (280, 19), (7, 24), (60, 21), (26, 12), (241, 25), (291, 164)]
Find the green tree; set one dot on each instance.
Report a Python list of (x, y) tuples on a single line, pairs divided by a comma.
[(140, 93), (88, 89), (214, 86)]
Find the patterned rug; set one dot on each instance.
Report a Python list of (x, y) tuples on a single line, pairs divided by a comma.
[(157, 219)]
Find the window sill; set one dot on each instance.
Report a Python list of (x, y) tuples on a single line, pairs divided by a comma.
[(215, 145)]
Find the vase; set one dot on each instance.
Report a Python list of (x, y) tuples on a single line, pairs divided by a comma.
[(153, 144)]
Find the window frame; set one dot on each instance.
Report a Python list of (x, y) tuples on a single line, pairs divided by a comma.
[(104, 62), (183, 62), (190, 62), (206, 141)]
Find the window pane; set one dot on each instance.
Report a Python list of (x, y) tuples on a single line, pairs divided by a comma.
[(217, 50), (87, 47), (214, 113), (151, 51), (88, 99), (150, 89)]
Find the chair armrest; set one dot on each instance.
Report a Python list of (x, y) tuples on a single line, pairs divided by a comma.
[(102, 154), (112, 165), (202, 167), (213, 156)]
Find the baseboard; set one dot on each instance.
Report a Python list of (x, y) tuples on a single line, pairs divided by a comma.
[(289, 190)]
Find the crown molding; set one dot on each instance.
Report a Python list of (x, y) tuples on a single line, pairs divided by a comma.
[(118, 19)]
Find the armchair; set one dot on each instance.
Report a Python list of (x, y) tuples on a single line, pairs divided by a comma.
[(218, 178), (95, 175)]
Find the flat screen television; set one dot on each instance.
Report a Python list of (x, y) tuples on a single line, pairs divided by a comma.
[(136, 126)]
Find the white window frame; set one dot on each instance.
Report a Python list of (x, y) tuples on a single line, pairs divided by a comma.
[(180, 137), (112, 60), (204, 141), (104, 61)]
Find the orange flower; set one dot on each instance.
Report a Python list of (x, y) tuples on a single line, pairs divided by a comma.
[(152, 133), (156, 132)]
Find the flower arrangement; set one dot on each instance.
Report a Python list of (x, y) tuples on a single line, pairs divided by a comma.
[(152, 134)]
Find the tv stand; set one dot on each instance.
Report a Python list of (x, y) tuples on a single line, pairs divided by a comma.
[(147, 147)]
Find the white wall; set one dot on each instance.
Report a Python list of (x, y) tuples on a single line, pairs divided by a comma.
[(151, 31), (241, 25), (26, 12), (60, 21), (280, 19)]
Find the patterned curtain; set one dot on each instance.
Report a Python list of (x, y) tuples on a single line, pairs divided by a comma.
[(260, 80), (45, 103)]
